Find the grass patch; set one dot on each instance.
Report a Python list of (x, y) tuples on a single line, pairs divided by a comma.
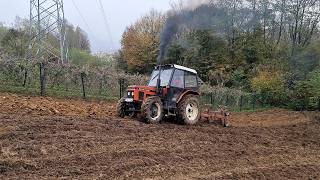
[(57, 93)]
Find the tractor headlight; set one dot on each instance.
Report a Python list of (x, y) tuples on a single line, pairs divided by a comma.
[(130, 94)]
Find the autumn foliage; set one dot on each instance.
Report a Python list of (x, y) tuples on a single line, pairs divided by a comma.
[(140, 42)]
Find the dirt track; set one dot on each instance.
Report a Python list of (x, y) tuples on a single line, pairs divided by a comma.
[(48, 138)]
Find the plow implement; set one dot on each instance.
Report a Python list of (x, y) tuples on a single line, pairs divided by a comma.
[(221, 116)]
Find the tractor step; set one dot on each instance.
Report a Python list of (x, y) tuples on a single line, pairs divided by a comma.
[(170, 114)]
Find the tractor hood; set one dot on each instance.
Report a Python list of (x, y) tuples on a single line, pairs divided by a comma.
[(139, 93), (142, 88)]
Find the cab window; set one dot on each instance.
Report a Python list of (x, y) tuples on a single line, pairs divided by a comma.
[(165, 77), (190, 80), (178, 79)]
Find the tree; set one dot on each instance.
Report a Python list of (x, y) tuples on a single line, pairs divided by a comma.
[(3, 32), (14, 43), (121, 63), (140, 42), (304, 17), (271, 84), (77, 38), (81, 57)]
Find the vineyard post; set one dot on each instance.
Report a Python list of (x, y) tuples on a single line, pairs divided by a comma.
[(253, 102), (25, 77), (101, 86), (241, 102), (42, 70), (66, 86), (120, 89), (121, 84), (83, 85), (227, 100), (263, 101), (211, 100)]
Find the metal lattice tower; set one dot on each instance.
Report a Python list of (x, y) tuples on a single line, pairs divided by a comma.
[(47, 30)]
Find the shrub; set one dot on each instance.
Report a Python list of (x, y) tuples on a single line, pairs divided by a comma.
[(306, 94), (270, 85)]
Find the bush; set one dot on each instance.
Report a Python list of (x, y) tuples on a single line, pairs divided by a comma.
[(271, 85), (314, 83), (306, 94)]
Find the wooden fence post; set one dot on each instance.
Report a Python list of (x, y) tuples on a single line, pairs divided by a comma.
[(83, 85), (227, 100), (212, 100), (241, 102), (25, 77), (319, 104), (42, 77), (253, 102), (121, 84)]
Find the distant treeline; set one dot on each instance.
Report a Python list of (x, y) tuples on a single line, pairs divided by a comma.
[(262, 46)]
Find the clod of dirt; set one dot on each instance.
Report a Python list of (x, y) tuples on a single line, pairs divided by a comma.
[(3, 169), (317, 118), (17, 165), (14, 104), (313, 116)]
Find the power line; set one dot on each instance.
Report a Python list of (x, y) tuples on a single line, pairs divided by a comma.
[(83, 19), (105, 20)]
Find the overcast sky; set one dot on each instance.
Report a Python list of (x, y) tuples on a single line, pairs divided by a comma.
[(120, 13)]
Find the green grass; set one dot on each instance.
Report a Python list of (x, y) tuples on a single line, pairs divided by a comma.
[(57, 92)]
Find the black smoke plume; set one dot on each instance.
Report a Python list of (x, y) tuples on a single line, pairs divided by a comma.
[(170, 29), (205, 16)]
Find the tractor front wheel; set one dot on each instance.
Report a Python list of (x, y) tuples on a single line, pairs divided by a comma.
[(121, 108), (152, 110), (189, 110)]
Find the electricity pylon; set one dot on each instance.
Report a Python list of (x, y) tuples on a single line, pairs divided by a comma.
[(47, 30)]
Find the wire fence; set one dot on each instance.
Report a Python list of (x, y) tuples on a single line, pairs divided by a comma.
[(99, 82), (238, 101), (247, 102), (105, 83)]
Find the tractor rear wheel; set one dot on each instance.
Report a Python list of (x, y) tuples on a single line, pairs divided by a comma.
[(121, 108), (189, 110), (152, 110)]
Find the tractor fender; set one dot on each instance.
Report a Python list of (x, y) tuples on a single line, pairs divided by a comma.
[(187, 93)]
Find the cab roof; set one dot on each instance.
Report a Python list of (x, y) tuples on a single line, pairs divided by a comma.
[(179, 67)]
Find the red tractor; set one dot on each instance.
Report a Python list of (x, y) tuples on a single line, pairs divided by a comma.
[(173, 90)]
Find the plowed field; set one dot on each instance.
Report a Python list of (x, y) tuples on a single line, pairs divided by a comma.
[(44, 138)]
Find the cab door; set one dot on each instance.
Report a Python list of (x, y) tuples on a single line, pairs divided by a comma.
[(191, 81), (176, 88)]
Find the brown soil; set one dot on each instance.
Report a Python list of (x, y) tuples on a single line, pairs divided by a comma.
[(52, 138), (15, 104)]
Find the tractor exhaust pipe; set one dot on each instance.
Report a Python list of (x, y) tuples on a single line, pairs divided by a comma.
[(159, 90)]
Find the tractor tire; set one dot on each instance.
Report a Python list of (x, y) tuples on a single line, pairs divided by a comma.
[(152, 110), (121, 108), (188, 110)]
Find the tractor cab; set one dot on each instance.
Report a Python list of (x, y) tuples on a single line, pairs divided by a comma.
[(175, 93), (175, 80)]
